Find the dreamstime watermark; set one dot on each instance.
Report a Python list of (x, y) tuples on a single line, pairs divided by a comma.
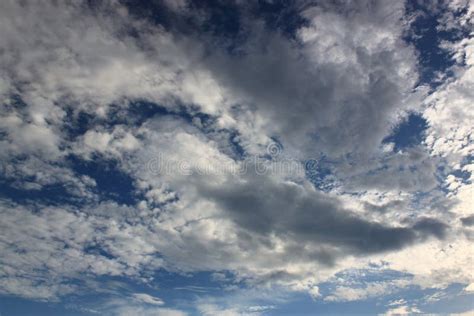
[(273, 162)]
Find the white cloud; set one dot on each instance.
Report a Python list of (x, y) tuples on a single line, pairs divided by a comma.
[(344, 293), (403, 310), (148, 299), (208, 309), (470, 288), (126, 307), (337, 91)]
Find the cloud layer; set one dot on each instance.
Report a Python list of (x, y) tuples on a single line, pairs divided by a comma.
[(98, 98)]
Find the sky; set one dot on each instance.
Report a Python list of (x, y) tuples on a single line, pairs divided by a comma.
[(269, 157)]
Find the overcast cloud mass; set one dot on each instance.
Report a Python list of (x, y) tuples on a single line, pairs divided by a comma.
[(268, 157)]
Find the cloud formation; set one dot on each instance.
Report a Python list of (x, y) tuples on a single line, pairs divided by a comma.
[(94, 90)]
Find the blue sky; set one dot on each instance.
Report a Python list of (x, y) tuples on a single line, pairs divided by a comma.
[(236, 158)]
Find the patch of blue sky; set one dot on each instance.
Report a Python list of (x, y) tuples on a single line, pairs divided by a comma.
[(53, 194), (281, 15), (111, 182), (450, 300), (79, 123), (427, 37), (408, 133), (303, 304), (463, 175), (177, 290), (318, 172), (13, 305)]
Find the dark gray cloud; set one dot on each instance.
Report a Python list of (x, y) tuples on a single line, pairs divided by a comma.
[(336, 89), (260, 205), (468, 220)]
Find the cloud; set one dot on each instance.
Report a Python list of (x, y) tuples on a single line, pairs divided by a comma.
[(75, 76), (468, 221), (148, 299), (347, 294), (263, 207), (210, 309), (142, 304), (48, 248), (348, 69), (403, 310)]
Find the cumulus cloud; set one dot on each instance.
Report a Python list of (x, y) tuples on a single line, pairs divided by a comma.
[(124, 307), (75, 82)]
